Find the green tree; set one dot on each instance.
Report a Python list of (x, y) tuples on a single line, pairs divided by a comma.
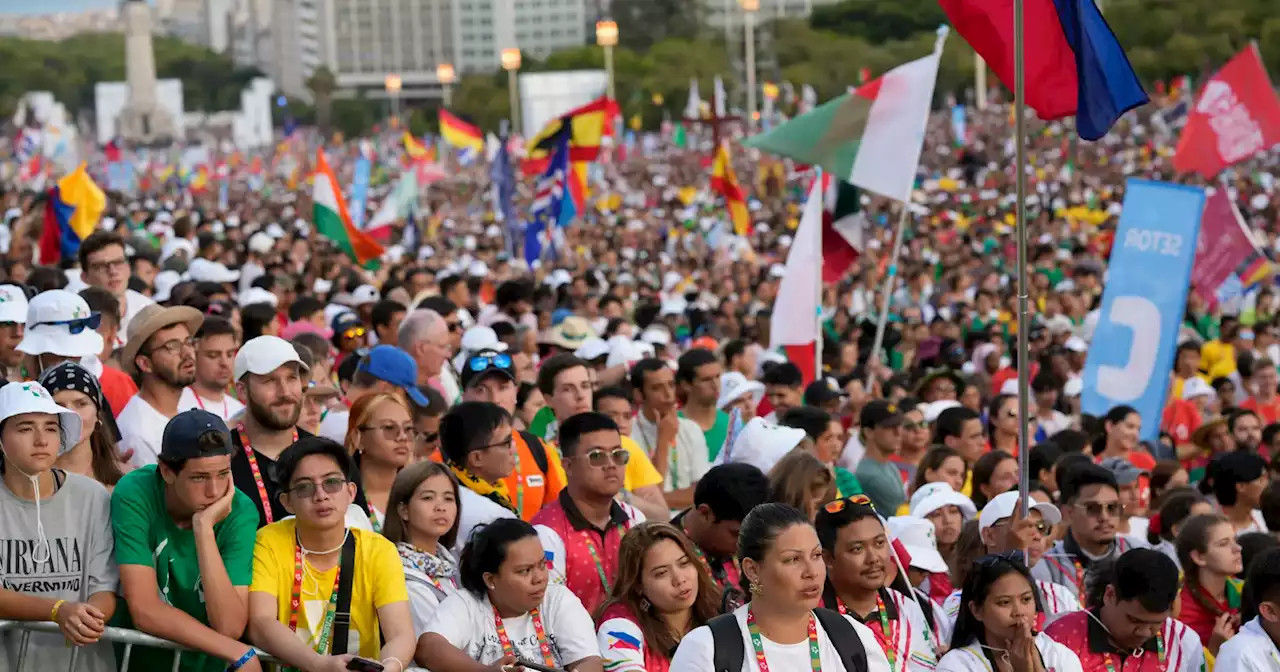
[(322, 83), (644, 23)]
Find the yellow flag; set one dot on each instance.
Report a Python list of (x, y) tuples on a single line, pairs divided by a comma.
[(79, 190)]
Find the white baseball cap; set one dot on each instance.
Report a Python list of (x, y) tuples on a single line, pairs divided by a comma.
[(58, 323), (204, 270), (364, 294), (592, 348), (933, 409), (257, 295), (164, 283), (933, 496), (265, 354), (31, 397), (13, 304), (917, 536), (1195, 386), (1004, 504)]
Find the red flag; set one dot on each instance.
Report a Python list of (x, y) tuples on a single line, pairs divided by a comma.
[(112, 152), (1223, 244), (1236, 115)]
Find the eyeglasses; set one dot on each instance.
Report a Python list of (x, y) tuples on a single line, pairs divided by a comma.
[(856, 500), (77, 325), (353, 333), (390, 432), (454, 327), (428, 437), (1043, 527), (103, 266), (1100, 510), (307, 489), (175, 347), (599, 458), (1012, 557), (912, 426), (506, 444), (484, 362)]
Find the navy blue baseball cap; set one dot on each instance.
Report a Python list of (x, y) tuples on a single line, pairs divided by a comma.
[(181, 437), (393, 365)]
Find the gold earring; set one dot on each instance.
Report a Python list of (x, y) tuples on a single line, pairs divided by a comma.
[(755, 588)]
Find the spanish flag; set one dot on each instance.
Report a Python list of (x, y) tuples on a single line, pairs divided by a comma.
[(417, 151), (459, 133), (725, 183), (587, 124)]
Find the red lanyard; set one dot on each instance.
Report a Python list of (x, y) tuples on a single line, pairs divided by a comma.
[(200, 403), (257, 472), (320, 639), (541, 632)]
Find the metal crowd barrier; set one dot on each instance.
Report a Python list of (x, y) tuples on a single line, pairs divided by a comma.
[(128, 638)]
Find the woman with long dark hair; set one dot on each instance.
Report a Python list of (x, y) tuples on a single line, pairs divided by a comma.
[(507, 611), (995, 626), (782, 627), (95, 454), (940, 463), (1002, 424), (994, 473), (422, 521), (1210, 558), (1121, 428), (661, 593)]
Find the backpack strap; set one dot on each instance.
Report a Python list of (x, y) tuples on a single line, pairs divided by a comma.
[(537, 448), (342, 619), (726, 636), (843, 637)]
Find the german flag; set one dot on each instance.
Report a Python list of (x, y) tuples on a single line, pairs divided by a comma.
[(725, 182), (416, 150), (459, 133)]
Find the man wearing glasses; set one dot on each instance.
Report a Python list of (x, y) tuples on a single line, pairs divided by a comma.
[(103, 264), (538, 476), (582, 530), (160, 352), (1091, 506)]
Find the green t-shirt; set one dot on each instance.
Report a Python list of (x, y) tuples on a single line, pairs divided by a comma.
[(146, 535), (716, 435), (541, 421)]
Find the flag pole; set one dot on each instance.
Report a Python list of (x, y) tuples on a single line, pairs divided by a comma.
[(817, 346), (886, 294), (1020, 219)]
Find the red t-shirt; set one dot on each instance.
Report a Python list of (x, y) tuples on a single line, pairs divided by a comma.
[(1181, 420), (117, 387), (1201, 618), (1268, 412)]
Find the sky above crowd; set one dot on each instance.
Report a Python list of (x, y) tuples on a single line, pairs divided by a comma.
[(20, 7)]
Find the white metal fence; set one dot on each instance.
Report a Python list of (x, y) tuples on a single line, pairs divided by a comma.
[(126, 638)]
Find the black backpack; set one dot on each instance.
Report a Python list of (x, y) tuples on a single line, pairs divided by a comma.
[(730, 653)]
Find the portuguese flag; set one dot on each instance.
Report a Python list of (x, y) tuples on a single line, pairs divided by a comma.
[(333, 221)]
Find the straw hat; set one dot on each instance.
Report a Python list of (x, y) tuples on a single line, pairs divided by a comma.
[(151, 319)]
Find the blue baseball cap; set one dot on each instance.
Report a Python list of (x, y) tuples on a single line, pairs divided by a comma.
[(393, 365), (182, 434)]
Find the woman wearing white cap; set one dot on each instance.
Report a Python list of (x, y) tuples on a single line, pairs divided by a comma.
[(58, 546)]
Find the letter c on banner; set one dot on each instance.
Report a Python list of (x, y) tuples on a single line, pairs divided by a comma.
[(1127, 384)]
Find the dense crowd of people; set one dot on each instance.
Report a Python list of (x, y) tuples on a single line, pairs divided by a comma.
[(218, 430)]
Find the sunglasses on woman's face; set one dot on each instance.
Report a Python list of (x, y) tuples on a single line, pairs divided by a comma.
[(857, 500)]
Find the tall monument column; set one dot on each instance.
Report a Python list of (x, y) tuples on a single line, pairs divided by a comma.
[(142, 120)]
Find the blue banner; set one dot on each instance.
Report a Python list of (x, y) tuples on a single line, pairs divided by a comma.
[(959, 125), (1145, 298), (359, 191)]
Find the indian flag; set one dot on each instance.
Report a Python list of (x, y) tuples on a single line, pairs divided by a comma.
[(333, 221), (871, 136)]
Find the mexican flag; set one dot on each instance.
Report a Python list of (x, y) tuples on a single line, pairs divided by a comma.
[(871, 136), (333, 221)]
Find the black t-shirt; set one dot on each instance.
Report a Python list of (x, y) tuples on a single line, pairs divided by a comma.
[(242, 475)]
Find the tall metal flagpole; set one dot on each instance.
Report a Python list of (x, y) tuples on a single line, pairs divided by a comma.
[(1020, 164), (887, 294)]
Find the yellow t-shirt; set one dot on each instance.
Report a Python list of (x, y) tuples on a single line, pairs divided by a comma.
[(378, 581), (640, 470)]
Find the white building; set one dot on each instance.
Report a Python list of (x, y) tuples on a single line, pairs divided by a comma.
[(248, 127)]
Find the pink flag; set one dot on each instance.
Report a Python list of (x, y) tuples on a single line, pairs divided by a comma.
[(1222, 245)]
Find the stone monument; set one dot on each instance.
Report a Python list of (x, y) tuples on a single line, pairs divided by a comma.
[(143, 120)]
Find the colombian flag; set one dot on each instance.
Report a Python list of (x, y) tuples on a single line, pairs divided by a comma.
[(459, 133), (725, 183), (71, 213)]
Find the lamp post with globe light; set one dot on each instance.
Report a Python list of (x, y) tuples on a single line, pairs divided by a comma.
[(445, 74), (511, 63), (607, 38), (749, 9)]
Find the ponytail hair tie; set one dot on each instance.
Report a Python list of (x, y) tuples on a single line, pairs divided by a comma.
[(1153, 524)]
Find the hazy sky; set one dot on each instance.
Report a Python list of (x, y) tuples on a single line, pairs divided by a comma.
[(51, 6)]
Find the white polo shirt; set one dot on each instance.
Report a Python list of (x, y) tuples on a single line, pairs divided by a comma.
[(1251, 650)]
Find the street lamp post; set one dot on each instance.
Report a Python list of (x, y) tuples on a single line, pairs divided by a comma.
[(393, 86), (607, 37), (445, 73), (749, 9), (511, 63)]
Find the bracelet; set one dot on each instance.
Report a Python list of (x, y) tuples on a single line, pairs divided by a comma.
[(248, 655), (397, 660), (56, 606)]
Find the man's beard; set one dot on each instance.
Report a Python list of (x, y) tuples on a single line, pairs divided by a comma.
[(277, 417), (174, 377)]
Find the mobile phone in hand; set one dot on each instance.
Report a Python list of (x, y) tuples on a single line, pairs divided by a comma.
[(364, 665)]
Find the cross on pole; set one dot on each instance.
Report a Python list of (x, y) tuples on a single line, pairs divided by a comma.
[(715, 122)]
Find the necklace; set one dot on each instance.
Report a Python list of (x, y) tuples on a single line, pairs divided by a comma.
[(757, 643), (257, 471), (509, 650)]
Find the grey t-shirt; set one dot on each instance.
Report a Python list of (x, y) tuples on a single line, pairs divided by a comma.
[(882, 482), (77, 523)]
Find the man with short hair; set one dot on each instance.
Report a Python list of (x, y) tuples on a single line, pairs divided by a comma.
[(1255, 646), (698, 383), (452, 314), (1090, 501), (1246, 429), (475, 441), (385, 320), (1129, 480), (184, 541), (13, 319), (724, 496), (1129, 618), (960, 429), (385, 369), (676, 445), (881, 426), (160, 352), (424, 334), (216, 346), (783, 388), (1263, 383), (103, 264), (538, 476), (582, 529), (290, 620)]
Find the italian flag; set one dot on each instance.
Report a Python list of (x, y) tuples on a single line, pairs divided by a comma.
[(871, 136), (329, 211)]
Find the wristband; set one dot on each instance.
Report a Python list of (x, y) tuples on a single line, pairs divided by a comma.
[(248, 655), (398, 662), (56, 606)]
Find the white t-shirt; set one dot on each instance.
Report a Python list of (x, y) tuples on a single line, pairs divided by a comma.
[(690, 458), (697, 650), (226, 409), (468, 624), (474, 511), (142, 430), (1057, 658), (334, 425), (135, 302), (1251, 650)]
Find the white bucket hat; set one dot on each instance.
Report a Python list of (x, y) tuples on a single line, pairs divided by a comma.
[(917, 536), (13, 304), (58, 323), (762, 444), (31, 397), (933, 496), (734, 386)]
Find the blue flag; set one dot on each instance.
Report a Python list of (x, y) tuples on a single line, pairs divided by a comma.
[(359, 191), (1107, 85), (1132, 350), (551, 200), (503, 181)]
